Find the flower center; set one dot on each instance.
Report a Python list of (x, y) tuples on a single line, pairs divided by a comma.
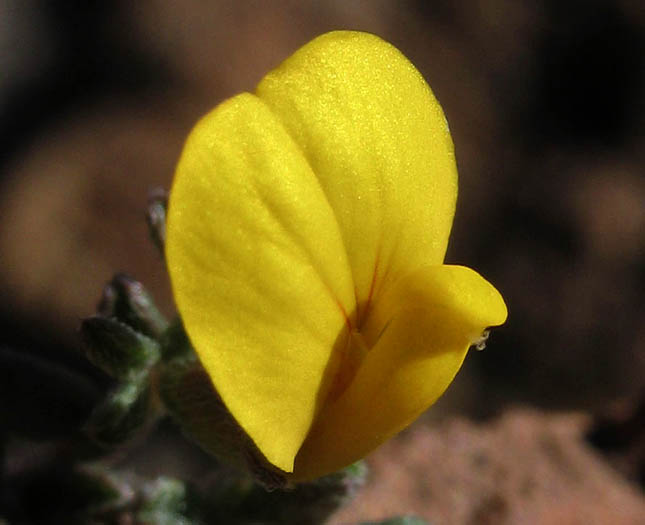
[(354, 351)]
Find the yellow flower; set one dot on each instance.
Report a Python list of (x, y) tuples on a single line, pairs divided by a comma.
[(307, 228)]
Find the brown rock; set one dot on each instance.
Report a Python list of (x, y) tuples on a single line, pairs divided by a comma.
[(524, 468)]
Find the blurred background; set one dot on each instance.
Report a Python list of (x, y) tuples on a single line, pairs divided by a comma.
[(546, 104)]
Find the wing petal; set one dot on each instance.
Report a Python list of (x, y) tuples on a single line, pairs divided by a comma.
[(259, 272)]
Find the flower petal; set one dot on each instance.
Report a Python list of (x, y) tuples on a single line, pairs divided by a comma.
[(427, 323), (377, 139), (259, 272)]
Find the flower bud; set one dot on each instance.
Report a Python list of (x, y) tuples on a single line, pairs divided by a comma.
[(156, 217), (128, 301), (118, 349)]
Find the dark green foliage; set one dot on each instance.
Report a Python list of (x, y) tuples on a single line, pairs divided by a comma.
[(123, 414), (403, 520)]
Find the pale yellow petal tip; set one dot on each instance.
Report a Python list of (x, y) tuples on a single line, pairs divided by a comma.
[(495, 306), (498, 313), (478, 301), (500, 310), (491, 301)]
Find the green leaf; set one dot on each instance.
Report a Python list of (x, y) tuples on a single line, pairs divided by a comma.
[(165, 502), (123, 414), (402, 520)]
